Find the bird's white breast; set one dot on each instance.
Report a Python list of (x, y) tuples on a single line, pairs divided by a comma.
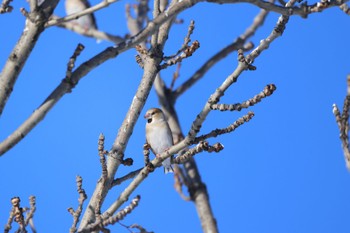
[(159, 137)]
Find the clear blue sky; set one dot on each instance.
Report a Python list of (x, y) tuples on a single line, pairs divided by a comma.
[(283, 172)]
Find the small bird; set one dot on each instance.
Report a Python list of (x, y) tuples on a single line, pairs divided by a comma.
[(75, 6), (158, 135)]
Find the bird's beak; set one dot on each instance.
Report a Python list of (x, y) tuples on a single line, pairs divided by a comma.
[(146, 115)]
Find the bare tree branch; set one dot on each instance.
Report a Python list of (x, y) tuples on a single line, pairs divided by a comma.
[(93, 33), (268, 90), (17, 214), (30, 215), (343, 124), (56, 20), (21, 52), (200, 147), (228, 129), (82, 197), (344, 7), (304, 10)]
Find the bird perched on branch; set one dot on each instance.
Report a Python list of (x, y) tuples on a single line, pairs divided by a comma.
[(85, 21), (158, 135)]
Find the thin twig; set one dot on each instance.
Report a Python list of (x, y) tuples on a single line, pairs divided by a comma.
[(128, 176), (268, 90), (187, 40), (176, 75), (30, 214), (92, 32), (101, 153), (345, 8), (343, 124), (140, 228), (179, 181), (82, 197), (18, 212), (71, 62), (101, 5), (228, 129), (188, 52), (202, 146)]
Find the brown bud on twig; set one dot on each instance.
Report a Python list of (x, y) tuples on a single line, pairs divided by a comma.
[(5, 6), (141, 49), (188, 51), (71, 63), (150, 167), (146, 148), (122, 214), (247, 62), (101, 153), (139, 61), (128, 162)]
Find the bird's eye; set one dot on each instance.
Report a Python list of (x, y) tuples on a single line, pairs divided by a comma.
[(149, 120), (153, 113)]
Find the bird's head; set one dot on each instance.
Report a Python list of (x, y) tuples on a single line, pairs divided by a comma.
[(154, 115)]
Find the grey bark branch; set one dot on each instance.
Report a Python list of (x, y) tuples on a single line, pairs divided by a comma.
[(22, 50), (342, 120), (97, 34), (63, 88), (99, 6)]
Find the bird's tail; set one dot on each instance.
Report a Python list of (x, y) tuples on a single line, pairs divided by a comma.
[(167, 166)]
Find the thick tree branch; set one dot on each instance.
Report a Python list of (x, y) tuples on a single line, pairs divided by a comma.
[(63, 88), (22, 50)]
